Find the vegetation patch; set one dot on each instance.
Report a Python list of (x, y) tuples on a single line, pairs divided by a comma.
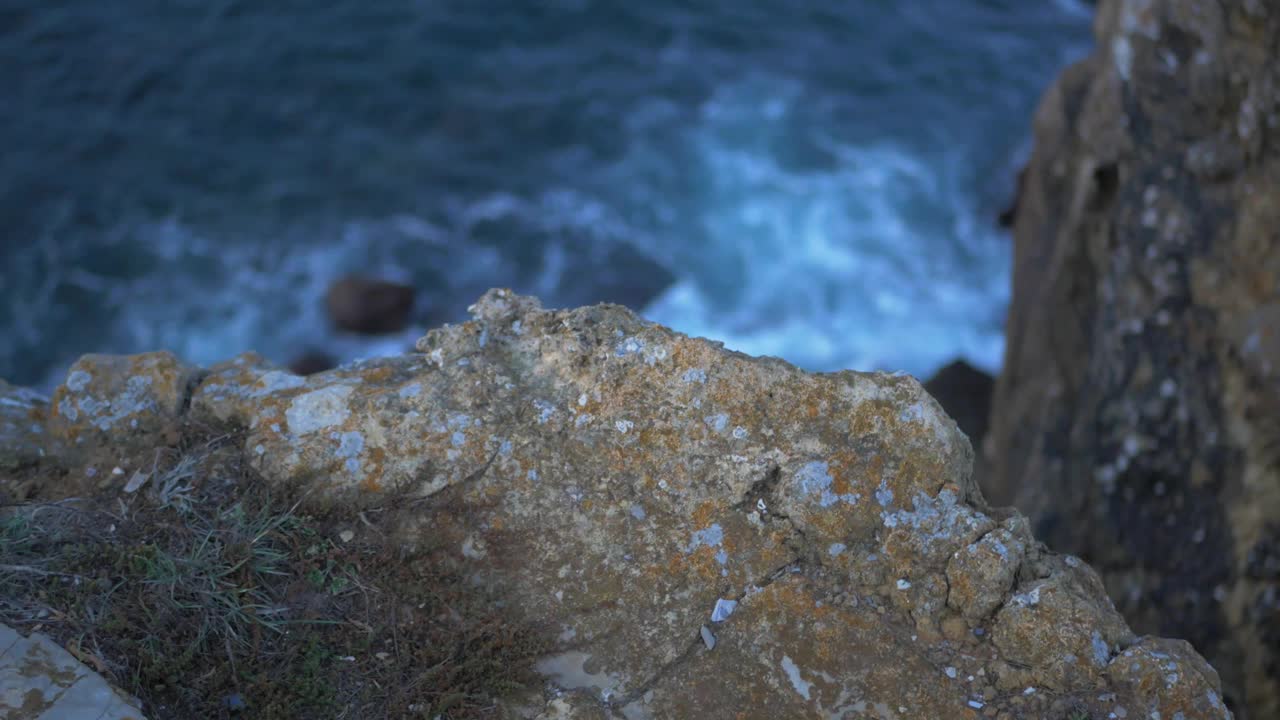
[(207, 593)]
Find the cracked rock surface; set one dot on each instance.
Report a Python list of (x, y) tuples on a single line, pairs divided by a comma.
[(705, 534)]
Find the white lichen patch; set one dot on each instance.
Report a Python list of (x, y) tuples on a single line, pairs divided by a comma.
[(814, 478), (276, 381), (545, 411), (711, 536), (694, 375), (1031, 598), (629, 346), (940, 523), (793, 674), (319, 409), (78, 380), (717, 422)]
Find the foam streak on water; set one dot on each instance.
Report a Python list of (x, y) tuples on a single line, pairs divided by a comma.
[(806, 179)]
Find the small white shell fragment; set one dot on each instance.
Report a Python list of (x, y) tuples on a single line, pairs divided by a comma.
[(708, 638), (346, 536), (723, 609)]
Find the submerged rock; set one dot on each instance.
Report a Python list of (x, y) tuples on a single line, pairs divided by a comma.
[(369, 306), (1137, 418), (312, 362), (706, 534), (964, 392)]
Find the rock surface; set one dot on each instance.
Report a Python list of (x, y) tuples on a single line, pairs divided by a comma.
[(704, 534), (1137, 419), (39, 680), (120, 402)]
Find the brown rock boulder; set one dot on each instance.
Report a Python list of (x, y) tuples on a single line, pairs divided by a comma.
[(368, 306), (1137, 418), (705, 534), (117, 403), (695, 533)]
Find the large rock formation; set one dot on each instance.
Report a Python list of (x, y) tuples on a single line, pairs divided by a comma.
[(703, 534), (1137, 419)]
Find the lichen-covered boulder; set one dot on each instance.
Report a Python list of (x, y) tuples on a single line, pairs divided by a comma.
[(120, 401), (705, 534), (1137, 417), (23, 413)]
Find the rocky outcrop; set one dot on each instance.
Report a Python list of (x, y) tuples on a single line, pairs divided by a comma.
[(701, 533), (39, 680), (1137, 418)]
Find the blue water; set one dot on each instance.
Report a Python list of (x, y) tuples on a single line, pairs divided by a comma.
[(813, 180)]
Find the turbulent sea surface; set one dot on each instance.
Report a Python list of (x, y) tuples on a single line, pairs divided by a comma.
[(816, 180)]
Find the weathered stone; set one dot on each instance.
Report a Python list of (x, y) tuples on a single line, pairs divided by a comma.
[(702, 534), (120, 401), (39, 680), (1168, 678), (980, 574), (23, 414), (1137, 417), (1054, 624)]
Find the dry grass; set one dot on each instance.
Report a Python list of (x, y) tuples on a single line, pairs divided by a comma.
[(209, 594)]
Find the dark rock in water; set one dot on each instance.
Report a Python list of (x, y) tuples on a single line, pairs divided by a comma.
[(312, 362), (1137, 418), (369, 306), (964, 392)]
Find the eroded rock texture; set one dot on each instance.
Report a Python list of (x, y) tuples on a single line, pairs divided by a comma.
[(1137, 420), (703, 534)]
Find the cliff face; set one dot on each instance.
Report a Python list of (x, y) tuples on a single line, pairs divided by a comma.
[(704, 534), (1137, 419)]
